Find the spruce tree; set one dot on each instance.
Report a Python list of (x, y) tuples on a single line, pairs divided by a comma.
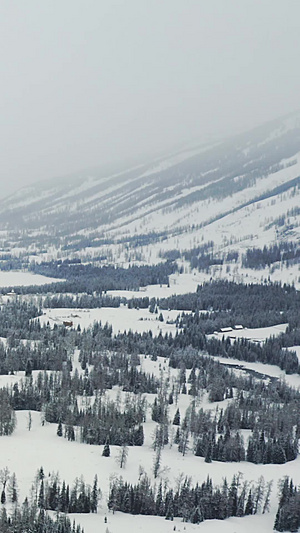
[(41, 498), (106, 449), (95, 495), (59, 431), (176, 419), (249, 504)]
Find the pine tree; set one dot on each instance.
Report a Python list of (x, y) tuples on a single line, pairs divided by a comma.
[(95, 495), (62, 500), (177, 436), (28, 370), (122, 456), (139, 436), (249, 505), (196, 516), (59, 431), (13, 489), (156, 463), (176, 419), (41, 498), (7, 414), (106, 449)]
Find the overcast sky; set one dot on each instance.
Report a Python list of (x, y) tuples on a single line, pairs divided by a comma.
[(83, 82)]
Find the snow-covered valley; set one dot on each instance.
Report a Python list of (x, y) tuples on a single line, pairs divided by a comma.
[(168, 289)]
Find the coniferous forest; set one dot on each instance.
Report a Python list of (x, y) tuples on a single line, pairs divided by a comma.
[(249, 419)]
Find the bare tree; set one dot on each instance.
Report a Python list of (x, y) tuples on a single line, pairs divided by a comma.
[(267, 497), (4, 477), (156, 462), (29, 421), (13, 489)]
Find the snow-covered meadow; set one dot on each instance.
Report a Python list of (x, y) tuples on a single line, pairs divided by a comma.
[(120, 318), (19, 278)]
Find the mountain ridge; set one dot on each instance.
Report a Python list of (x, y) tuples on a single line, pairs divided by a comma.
[(175, 201)]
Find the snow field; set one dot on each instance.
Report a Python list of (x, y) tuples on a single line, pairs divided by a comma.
[(18, 278), (25, 451), (120, 318), (253, 334)]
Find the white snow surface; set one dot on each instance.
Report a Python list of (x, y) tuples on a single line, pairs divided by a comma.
[(179, 284), (293, 380), (253, 334), (120, 318), (18, 278), (25, 452)]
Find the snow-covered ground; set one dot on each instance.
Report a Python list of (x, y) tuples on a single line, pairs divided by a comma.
[(293, 380), (123, 523), (253, 334), (178, 284), (18, 278), (26, 451), (120, 318)]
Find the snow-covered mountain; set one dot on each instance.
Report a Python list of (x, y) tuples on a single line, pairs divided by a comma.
[(238, 193)]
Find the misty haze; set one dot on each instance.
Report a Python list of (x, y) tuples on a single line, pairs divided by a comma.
[(149, 266)]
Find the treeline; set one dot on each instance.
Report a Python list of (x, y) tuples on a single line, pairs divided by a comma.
[(46, 494), (192, 503), (201, 257), (272, 420), (252, 305), (27, 518), (80, 301), (257, 258), (54, 495), (273, 351), (269, 411), (133, 241), (288, 513), (16, 318), (108, 421), (53, 347), (109, 369), (30, 346), (89, 278), (7, 414), (56, 397)]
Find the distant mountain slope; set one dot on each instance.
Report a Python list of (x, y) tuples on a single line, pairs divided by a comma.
[(229, 192)]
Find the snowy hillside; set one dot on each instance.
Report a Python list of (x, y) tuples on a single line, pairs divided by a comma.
[(208, 381), (238, 193)]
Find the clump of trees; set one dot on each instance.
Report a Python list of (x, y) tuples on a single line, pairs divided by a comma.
[(261, 257), (192, 503), (7, 414), (52, 494), (27, 518), (288, 513)]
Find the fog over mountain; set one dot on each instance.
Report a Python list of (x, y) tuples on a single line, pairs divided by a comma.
[(117, 83), (149, 266)]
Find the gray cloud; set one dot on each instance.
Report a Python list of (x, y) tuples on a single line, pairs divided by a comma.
[(85, 83)]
